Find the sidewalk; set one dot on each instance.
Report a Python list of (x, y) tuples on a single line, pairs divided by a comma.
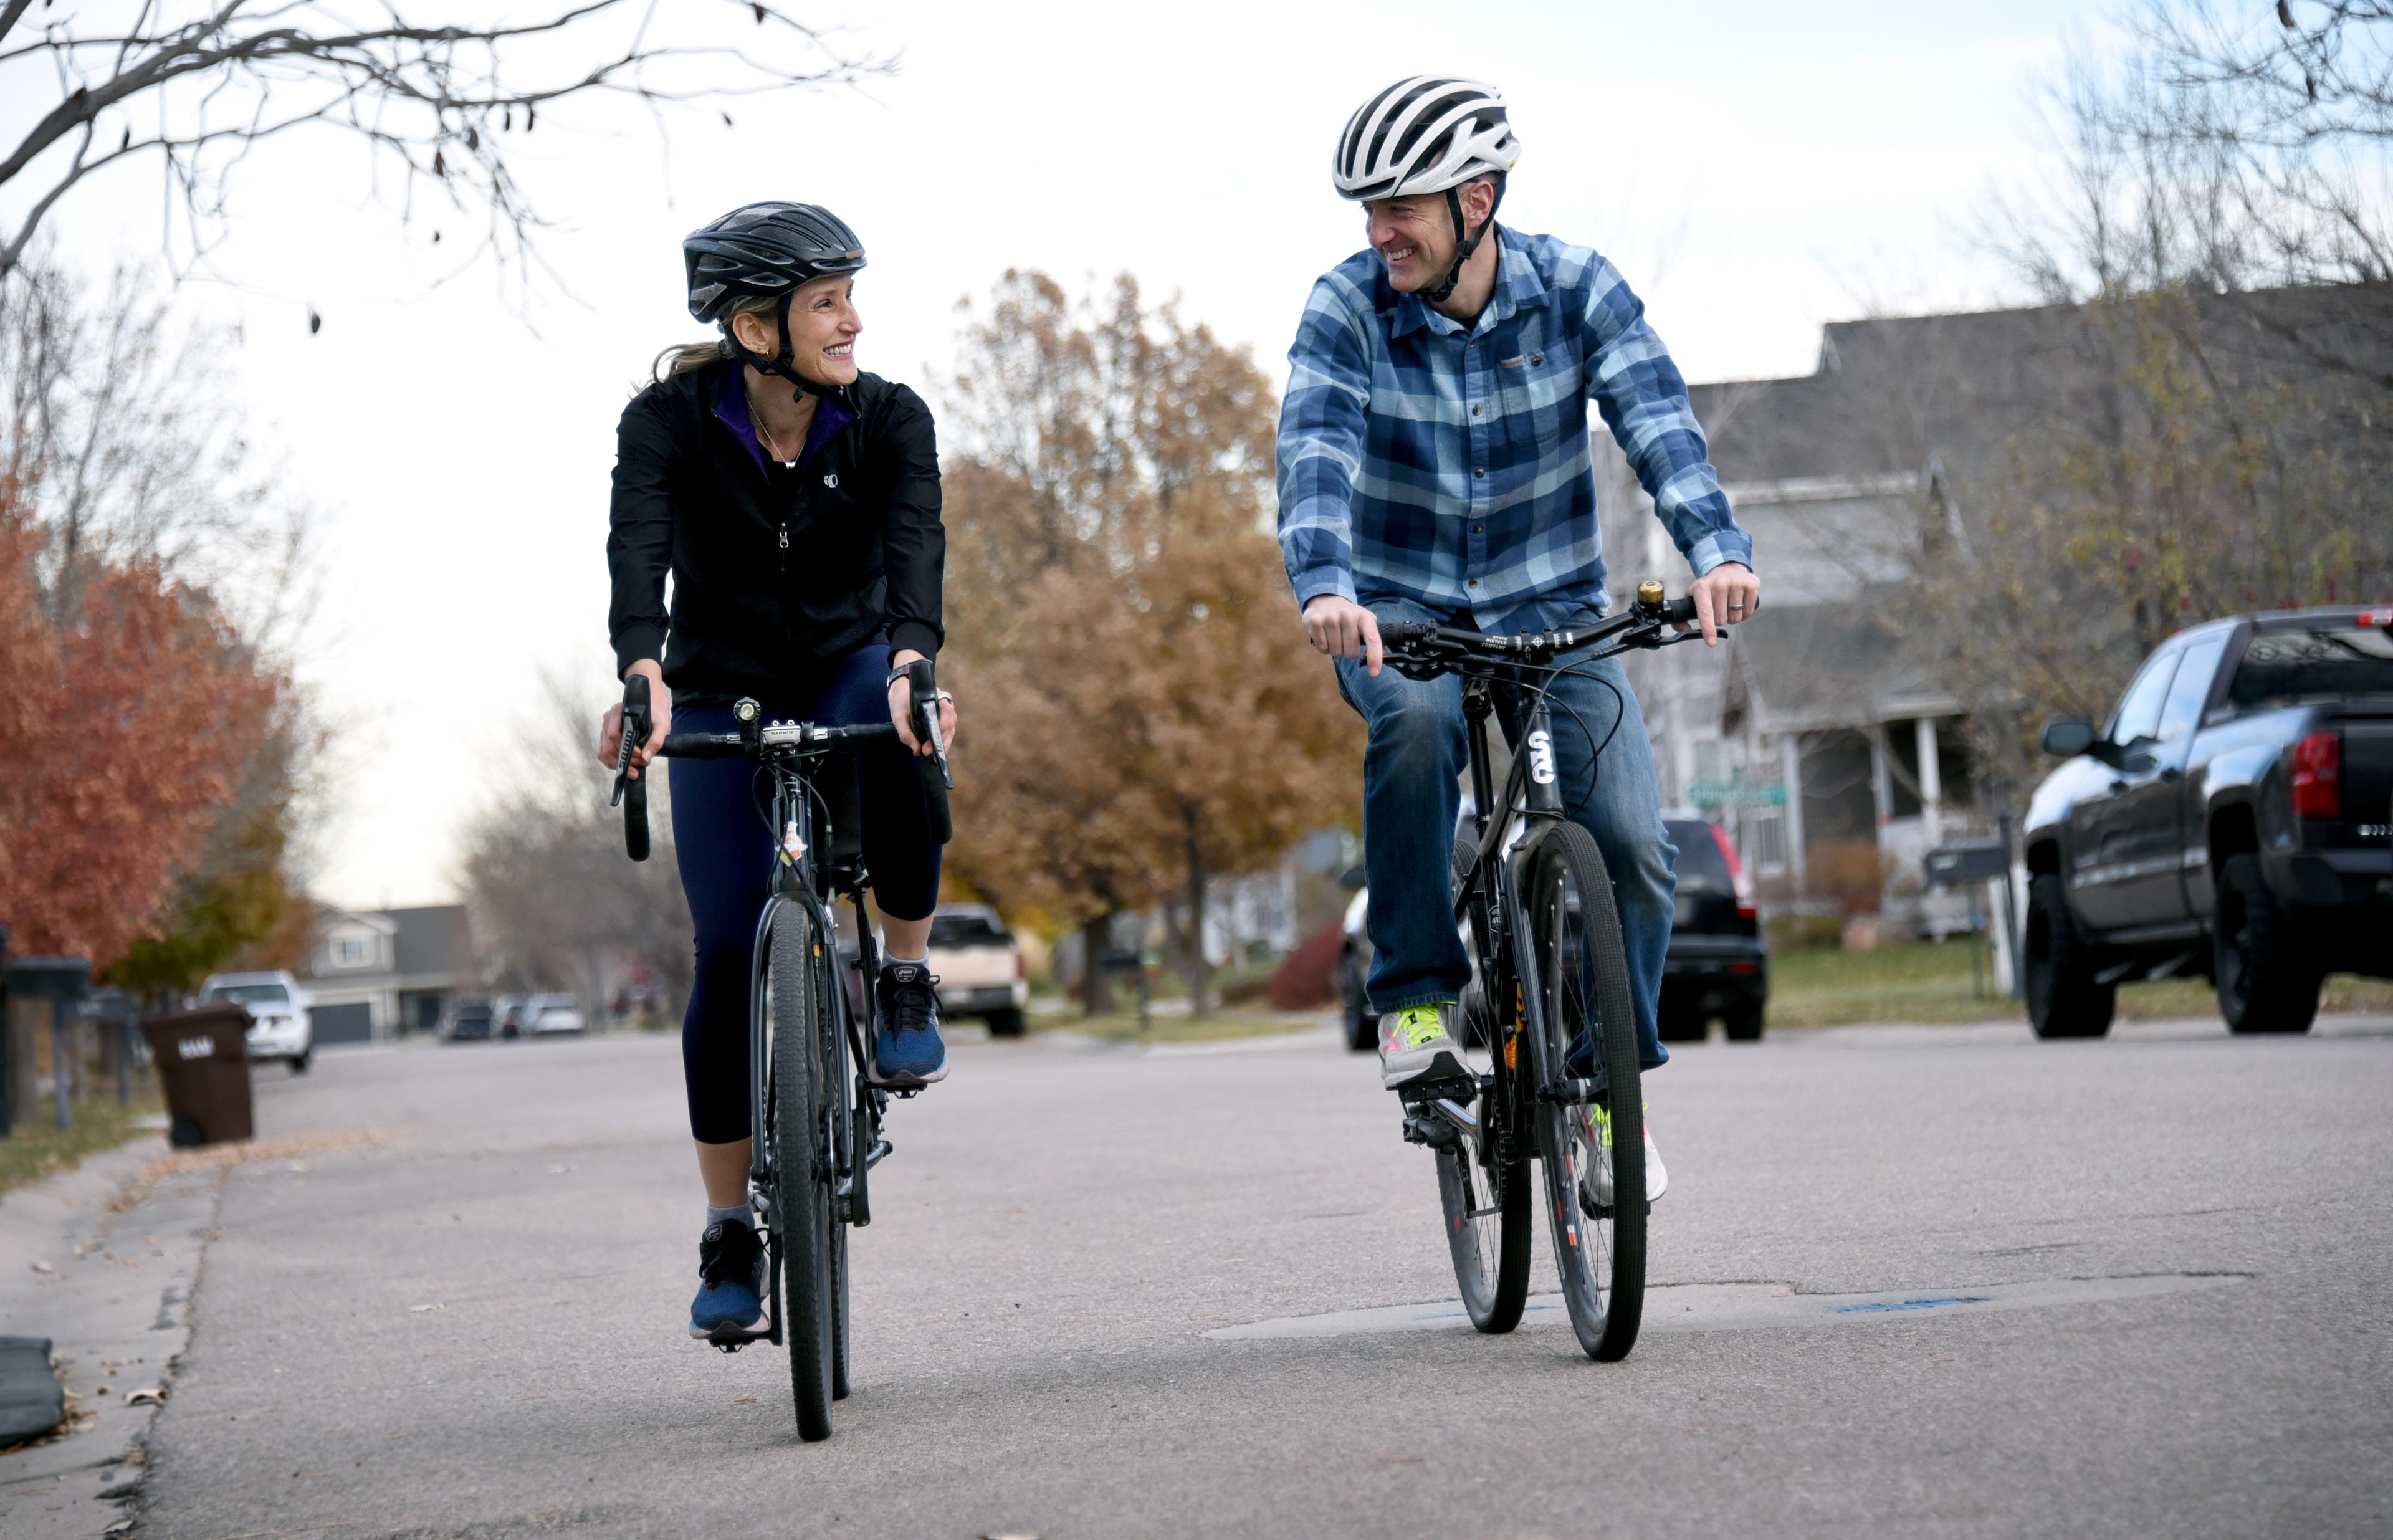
[(112, 1289)]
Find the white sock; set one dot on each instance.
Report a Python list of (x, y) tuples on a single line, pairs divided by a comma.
[(738, 1211), (922, 962)]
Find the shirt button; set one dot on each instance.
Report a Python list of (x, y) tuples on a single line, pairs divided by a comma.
[(1474, 412), (1481, 471), (1537, 358), (1477, 529), (1473, 583)]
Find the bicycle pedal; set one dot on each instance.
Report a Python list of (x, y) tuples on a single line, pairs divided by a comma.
[(1426, 1127), (1419, 1094)]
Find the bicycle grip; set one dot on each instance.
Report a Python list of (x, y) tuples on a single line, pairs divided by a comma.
[(1679, 610), (1402, 633)]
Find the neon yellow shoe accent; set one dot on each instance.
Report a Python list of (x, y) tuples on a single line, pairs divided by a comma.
[(1417, 1025)]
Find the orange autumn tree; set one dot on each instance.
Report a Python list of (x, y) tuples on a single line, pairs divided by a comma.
[(1145, 715), (128, 715)]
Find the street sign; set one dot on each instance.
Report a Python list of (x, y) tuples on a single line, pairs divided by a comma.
[(1957, 866), (1743, 793)]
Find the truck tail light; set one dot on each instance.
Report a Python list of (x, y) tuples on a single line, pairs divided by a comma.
[(1020, 966), (1737, 878), (2317, 776)]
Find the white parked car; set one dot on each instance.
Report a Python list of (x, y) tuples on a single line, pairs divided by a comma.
[(543, 1014), (979, 967), (278, 1028)]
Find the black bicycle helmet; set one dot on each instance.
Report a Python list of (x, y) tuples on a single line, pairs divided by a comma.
[(765, 250)]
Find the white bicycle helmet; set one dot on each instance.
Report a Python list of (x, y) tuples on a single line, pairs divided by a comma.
[(1428, 134)]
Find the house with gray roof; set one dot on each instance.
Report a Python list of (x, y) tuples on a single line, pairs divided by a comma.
[(376, 974), (1826, 738)]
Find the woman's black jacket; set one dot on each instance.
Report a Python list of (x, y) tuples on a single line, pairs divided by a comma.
[(777, 574)]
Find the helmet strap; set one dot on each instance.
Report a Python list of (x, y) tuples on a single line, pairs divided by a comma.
[(1465, 243), (783, 364)]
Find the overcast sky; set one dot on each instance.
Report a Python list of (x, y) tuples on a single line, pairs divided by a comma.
[(1755, 168)]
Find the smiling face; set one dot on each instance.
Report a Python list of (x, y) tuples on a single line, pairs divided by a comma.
[(823, 327), (1415, 235)]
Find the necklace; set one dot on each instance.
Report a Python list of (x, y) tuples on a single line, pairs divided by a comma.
[(765, 434)]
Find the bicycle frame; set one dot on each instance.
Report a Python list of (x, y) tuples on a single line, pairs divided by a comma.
[(801, 881)]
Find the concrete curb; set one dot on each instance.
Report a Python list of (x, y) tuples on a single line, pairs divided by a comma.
[(113, 1291)]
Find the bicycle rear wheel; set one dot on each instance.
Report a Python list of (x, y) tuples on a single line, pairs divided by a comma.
[(1593, 1153), (803, 1172)]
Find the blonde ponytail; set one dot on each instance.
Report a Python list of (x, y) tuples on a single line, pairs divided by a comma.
[(684, 356)]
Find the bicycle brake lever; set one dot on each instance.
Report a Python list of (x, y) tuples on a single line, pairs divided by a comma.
[(636, 725)]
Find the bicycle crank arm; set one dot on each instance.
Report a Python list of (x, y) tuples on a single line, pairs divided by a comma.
[(1572, 1092)]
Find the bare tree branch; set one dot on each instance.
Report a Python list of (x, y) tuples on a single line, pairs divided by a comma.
[(443, 102)]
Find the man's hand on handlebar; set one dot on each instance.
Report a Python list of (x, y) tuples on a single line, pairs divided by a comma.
[(1726, 595), (1343, 629), (901, 699), (610, 726)]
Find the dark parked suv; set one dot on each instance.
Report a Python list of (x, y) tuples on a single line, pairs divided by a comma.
[(1718, 964), (2229, 819)]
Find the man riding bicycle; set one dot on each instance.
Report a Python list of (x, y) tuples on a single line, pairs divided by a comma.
[(1434, 466)]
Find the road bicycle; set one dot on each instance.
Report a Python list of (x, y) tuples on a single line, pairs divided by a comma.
[(813, 1021), (1547, 1022)]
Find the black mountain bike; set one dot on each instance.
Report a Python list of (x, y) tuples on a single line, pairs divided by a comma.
[(1546, 1022), (813, 1021)]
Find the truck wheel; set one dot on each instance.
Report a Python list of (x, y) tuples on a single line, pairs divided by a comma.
[(299, 1062), (1005, 1023), (2063, 1000), (1679, 1022), (1744, 1022), (2266, 979), (1362, 1027)]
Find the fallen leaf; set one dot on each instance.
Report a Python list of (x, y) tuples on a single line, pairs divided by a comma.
[(558, 1170), (44, 1267), (146, 1396), (741, 1401), (418, 1309)]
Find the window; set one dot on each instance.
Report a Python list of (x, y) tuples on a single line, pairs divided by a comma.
[(251, 994), (1765, 842), (2321, 660), (2192, 691), (352, 951), (2140, 711)]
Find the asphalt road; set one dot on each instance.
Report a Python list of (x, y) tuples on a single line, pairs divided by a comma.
[(2180, 1241)]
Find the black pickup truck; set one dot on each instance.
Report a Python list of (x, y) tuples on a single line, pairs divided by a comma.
[(2230, 820)]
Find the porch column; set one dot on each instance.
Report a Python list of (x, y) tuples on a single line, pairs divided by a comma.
[(1881, 779), (1931, 781), (1790, 772)]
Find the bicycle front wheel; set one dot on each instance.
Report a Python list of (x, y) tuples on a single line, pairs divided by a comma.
[(1485, 1198), (846, 1166), (803, 1169), (1592, 1148)]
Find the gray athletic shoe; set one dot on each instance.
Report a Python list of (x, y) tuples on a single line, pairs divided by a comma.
[(1415, 1044)]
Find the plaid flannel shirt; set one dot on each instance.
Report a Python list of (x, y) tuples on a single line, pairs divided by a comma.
[(1425, 460)]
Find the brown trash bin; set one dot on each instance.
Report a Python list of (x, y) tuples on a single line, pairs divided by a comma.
[(203, 1061)]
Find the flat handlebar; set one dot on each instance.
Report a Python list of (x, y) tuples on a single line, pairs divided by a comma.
[(1426, 642)]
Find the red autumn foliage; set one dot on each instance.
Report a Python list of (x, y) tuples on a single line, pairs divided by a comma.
[(124, 726)]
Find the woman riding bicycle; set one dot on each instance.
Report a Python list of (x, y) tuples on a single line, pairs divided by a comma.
[(794, 502)]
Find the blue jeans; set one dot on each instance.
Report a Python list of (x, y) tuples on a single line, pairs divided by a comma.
[(1412, 798)]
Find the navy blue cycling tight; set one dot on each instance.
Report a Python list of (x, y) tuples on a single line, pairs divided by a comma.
[(725, 852)]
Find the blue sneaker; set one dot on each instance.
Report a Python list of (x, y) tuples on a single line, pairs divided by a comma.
[(910, 1054), (731, 1304)]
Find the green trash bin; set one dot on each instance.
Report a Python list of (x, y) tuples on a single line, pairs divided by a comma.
[(202, 1061)]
